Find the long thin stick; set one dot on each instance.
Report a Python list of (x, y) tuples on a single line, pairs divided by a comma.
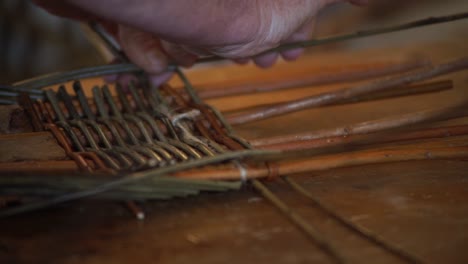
[(300, 222), (352, 72), (351, 226), (459, 110), (412, 90), (373, 32), (333, 161), (437, 150), (46, 185), (133, 177), (353, 141), (366, 139), (348, 93)]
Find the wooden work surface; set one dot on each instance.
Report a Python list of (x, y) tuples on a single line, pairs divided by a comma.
[(420, 206)]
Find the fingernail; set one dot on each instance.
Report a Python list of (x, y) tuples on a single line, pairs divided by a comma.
[(156, 61), (292, 55), (159, 79), (266, 60)]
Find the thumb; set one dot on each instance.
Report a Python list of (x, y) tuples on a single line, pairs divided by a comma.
[(143, 49)]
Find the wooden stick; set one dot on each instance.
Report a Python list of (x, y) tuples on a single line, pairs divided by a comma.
[(68, 166), (336, 75), (366, 157), (371, 32), (370, 126), (363, 232), (136, 210), (411, 90), (300, 222), (348, 93), (333, 161), (366, 139), (318, 163)]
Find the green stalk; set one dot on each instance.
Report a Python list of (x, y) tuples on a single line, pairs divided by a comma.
[(133, 178)]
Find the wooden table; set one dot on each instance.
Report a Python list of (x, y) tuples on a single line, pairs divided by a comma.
[(419, 206)]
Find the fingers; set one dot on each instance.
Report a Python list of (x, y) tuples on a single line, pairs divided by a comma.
[(154, 55), (269, 59), (179, 55), (302, 34), (266, 60), (147, 52), (125, 79), (159, 79)]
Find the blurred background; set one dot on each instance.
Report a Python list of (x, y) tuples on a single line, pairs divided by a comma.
[(33, 42)]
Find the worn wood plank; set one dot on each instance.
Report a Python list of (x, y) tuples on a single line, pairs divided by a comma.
[(30, 146)]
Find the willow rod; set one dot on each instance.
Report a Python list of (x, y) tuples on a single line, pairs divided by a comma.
[(363, 232), (351, 92), (372, 32), (300, 222), (352, 72), (333, 161), (55, 78), (366, 139), (459, 110), (358, 140), (403, 91), (434, 150)]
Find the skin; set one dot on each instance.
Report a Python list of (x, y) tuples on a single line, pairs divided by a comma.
[(154, 32)]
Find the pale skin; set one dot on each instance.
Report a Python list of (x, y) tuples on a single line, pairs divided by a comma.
[(153, 33)]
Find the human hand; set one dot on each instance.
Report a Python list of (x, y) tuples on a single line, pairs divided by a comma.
[(153, 33)]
